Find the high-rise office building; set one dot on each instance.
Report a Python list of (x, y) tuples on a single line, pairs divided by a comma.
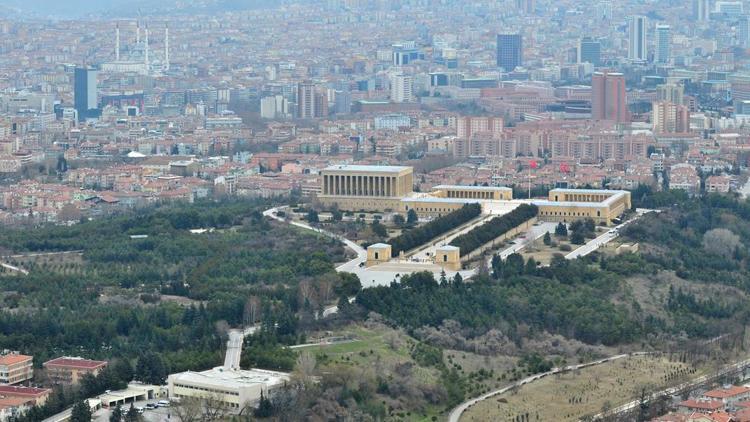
[(701, 10), (589, 51), (663, 44), (84, 93), (672, 93), (306, 100), (509, 51), (401, 89), (343, 102), (608, 97), (321, 105), (740, 87), (729, 7), (743, 31), (637, 51), (405, 53), (526, 6), (668, 117)]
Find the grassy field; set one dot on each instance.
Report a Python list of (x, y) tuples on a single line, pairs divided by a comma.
[(543, 253), (570, 396), (378, 351)]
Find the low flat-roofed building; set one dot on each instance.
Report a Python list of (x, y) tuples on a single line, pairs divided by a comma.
[(136, 391), (368, 188), (69, 370), (430, 206), (36, 395), (497, 193), (603, 206), (236, 388), (16, 368), (378, 253)]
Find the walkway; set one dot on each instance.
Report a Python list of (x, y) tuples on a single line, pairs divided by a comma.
[(605, 238), (456, 413), (426, 252), (349, 266)]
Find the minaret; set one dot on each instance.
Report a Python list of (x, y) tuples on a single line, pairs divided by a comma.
[(117, 43), (137, 32), (166, 47), (145, 53)]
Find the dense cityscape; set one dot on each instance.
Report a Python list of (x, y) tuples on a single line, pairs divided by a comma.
[(375, 210)]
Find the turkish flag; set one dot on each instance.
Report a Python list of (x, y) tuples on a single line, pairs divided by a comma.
[(532, 164), (564, 168)]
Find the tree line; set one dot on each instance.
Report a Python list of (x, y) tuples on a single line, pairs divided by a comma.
[(420, 235), (494, 228)]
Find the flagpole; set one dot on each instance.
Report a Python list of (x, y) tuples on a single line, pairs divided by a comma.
[(529, 179)]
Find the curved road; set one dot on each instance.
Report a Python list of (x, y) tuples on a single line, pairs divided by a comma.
[(456, 413), (349, 266)]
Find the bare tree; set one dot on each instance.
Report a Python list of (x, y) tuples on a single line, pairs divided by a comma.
[(325, 288), (721, 242), (306, 363), (306, 293), (213, 407), (250, 314), (187, 409), (222, 329)]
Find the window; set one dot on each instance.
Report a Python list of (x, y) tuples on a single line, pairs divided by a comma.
[(376, 255), (445, 258)]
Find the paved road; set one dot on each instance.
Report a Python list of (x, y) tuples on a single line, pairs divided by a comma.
[(456, 413), (426, 252), (350, 266), (234, 349), (605, 238), (524, 240), (676, 389), (14, 268)]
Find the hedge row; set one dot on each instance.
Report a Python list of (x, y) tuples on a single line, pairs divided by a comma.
[(420, 235), (494, 228)]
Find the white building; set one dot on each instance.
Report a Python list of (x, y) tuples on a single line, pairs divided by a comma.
[(663, 43), (637, 51), (401, 89), (237, 388), (392, 122)]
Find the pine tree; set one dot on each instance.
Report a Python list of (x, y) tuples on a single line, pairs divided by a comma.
[(547, 239), (81, 412), (265, 408), (116, 415)]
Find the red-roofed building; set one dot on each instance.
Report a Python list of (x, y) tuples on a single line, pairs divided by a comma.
[(700, 406), (11, 407), (729, 395), (16, 368), (37, 396), (69, 370)]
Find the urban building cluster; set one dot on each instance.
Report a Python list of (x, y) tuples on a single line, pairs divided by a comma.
[(730, 403), (111, 113), (21, 390)]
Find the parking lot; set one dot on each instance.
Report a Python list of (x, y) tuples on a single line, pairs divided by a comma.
[(160, 414)]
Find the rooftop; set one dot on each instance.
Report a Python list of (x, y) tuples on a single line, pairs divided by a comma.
[(379, 246), (13, 390), (703, 404), (475, 188), (12, 359), (75, 362), (433, 200), (370, 169), (230, 379), (723, 393)]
